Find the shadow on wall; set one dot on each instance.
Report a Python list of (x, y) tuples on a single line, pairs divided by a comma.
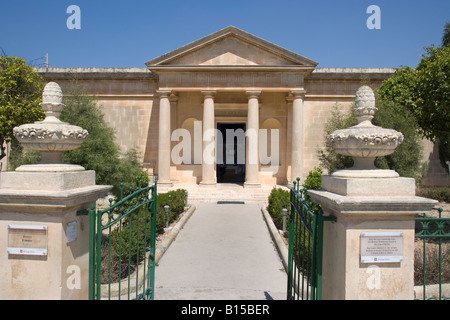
[(436, 174)]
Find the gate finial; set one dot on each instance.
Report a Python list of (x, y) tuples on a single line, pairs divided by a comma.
[(51, 137)]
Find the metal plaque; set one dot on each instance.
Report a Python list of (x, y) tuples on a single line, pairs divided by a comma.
[(71, 231), (379, 247), (27, 239)]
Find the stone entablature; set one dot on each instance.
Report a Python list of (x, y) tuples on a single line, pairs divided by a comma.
[(239, 80)]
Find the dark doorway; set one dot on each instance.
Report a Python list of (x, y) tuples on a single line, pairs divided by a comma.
[(231, 153)]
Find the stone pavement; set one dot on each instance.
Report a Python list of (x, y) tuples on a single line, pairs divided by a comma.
[(224, 252)]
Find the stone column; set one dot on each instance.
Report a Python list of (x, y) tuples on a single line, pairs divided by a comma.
[(209, 149), (297, 135), (173, 115), (164, 139), (252, 154), (288, 157)]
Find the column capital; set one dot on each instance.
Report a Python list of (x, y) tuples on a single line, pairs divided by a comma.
[(164, 93), (207, 93), (173, 97), (289, 98), (253, 93), (298, 93)]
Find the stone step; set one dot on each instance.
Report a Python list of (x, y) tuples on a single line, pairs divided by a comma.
[(227, 197), (221, 192), (226, 192)]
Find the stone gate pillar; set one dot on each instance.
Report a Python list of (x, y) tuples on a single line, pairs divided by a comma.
[(43, 240), (368, 252)]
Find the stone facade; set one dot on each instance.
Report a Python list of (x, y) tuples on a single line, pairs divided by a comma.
[(228, 77)]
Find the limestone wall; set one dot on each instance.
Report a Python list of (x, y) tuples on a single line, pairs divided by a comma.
[(131, 106)]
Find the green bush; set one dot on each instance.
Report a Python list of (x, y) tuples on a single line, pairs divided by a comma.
[(436, 193), (99, 152), (314, 179), (313, 182), (135, 229), (407, 157), (278, 200), (19, 155), (328, 157), (175, 200), (125, 242)]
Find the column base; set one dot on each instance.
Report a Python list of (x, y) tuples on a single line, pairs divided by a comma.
[(164, 184), (252, 185), (206, 184)]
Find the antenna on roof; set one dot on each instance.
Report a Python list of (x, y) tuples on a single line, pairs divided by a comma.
[(46, 61)]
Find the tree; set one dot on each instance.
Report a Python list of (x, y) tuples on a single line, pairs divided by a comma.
[(444, 144), (407, 157), (20, 96), (99, 152), (328, 157), (446, 35), (425, 91)]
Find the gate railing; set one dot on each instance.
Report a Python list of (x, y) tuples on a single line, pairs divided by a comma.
[(305, 247), (122, 239), (434, 268)]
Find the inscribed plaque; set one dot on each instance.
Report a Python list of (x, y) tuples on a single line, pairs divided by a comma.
[(379, 247), (27, 239)]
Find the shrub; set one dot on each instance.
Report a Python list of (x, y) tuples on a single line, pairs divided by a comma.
[(19, 155), (406, 159), (175, 200), (436, 193), (278, 200), (99, 152), (314, 179), (313, 182), (125, 243), (328, 157)]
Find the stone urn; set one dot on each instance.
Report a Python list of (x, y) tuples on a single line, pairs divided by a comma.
[(51, 136), (365, 141)]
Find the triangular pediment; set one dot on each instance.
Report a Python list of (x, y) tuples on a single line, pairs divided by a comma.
[(231, 47)]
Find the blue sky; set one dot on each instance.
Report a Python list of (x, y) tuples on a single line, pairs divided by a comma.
[(129, 33)]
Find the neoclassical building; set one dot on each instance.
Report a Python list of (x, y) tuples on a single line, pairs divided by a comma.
[(193, 112)]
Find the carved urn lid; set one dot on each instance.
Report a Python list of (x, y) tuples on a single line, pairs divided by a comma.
[(365, 141), (51, 136)]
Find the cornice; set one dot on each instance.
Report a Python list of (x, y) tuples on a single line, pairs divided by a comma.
[(95, 73), (182, 68)]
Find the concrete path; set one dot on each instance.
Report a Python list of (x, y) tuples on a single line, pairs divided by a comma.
[(224, 252)]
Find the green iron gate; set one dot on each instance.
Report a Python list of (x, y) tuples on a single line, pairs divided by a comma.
[(122, 246), (305, 247), (433, 259)]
